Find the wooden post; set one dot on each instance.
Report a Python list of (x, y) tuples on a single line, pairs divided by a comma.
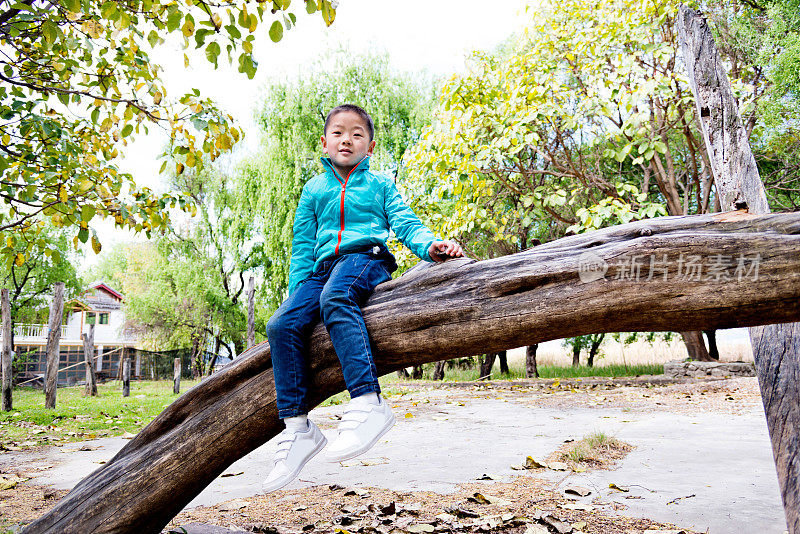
[(6, 354), (176, 377), (52, 350), (251, 312), (126, 377), (776, 348), (88, 356)]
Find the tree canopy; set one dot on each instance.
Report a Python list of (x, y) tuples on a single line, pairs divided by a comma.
[(81, 79)]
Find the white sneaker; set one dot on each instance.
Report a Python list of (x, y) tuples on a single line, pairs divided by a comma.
[(295, 449), (361, 426)]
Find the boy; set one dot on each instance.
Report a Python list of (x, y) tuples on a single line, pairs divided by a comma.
[(338, 257)]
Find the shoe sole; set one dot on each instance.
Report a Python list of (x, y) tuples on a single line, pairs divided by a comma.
[(361, 450), (278, 484)]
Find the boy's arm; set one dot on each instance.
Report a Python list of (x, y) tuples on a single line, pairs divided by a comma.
[(406, 225), (301, 264)]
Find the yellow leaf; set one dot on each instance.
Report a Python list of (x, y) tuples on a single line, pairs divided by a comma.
[(179, 168), (96, 246), (62, 194), (19, 260), (409, 415)]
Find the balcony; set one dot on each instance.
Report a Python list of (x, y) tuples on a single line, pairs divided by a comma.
[(37, 333)]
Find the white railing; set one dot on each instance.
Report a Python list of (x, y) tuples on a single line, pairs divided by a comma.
[(33, 331)]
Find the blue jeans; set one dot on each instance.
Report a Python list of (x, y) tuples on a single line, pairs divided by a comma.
[(334, 293)]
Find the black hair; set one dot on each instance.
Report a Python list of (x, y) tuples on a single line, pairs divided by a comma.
[(361, 112)]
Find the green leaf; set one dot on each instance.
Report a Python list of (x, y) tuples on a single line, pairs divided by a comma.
[(87, 212), (49, 32), (127, 130), (83, 235), (276, 31), (212, 52), (108, 9)]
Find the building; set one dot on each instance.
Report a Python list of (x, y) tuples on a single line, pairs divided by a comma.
[(99, 305)]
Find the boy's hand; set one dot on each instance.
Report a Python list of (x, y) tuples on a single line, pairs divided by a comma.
[(444, 250)]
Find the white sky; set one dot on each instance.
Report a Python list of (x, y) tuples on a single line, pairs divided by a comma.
[(432, 35)]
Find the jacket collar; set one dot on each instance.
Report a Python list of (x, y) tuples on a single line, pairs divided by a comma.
[(363, 165)]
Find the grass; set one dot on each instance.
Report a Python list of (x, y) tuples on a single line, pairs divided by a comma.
[(596, 449), (517, 371), (76, 417)]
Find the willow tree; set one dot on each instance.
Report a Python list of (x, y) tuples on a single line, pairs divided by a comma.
[(292, 120)]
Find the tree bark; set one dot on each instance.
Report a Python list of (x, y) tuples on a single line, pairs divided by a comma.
[(403, 374), (488, 306), (695, 345), (594, 348), (416, 372), (576, 355), (7, 348), (713, 349), (531, 369), (776, 348), (251, 312), (53, 347), (88, 356), (503, 357), (438, 371), (486, 366)]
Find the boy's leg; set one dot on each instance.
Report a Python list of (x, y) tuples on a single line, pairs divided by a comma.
[(351, 282), (287, 332), (367, 417)]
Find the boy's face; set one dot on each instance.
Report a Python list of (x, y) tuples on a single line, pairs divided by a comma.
[(347, 141)]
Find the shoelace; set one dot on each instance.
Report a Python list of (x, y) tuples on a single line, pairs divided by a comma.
[(354, 416)]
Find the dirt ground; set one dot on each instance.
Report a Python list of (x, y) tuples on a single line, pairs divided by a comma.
[(525, 504)]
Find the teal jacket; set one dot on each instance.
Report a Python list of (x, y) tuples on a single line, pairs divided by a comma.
[(336, 216)]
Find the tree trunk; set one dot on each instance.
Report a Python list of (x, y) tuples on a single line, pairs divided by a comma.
[(438, 371), (503, 357), (53, 347), (402, 373), (531, 369), (486, 366), (695, 345), (512, 301), (7, 348), (713, 350), (594, 348), (88, 357), (776, 348), (416, 372), (576, 355)]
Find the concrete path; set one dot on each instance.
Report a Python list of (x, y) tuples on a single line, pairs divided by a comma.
[(706, 471)]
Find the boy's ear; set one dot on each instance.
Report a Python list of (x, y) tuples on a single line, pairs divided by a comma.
[(324, 145), (370, 148)]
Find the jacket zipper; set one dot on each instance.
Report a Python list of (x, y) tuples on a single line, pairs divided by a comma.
[(341, 210)]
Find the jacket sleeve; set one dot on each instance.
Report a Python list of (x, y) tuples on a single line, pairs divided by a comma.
[(301, 264), (406, 225)]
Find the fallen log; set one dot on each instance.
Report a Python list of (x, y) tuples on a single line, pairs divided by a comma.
[(672, 273)]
